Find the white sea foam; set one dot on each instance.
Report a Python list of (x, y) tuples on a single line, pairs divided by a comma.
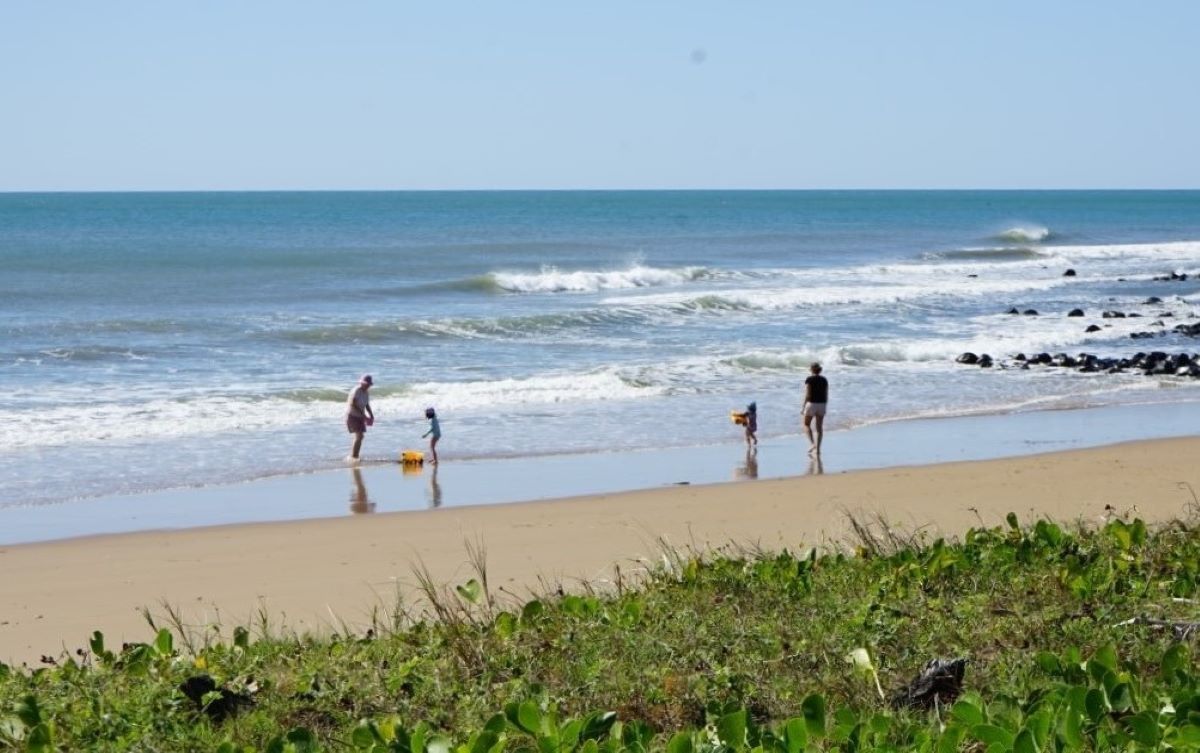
[(769, 299), (163, 418), (1025, 234), (554, 280)]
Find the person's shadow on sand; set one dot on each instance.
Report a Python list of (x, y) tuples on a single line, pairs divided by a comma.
[(359, 503)]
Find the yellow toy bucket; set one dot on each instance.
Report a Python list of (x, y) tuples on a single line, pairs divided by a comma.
[(412, 457)]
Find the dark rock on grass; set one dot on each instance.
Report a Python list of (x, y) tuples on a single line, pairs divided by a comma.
[(1075, 312), (1092, 328), (939, 684), (226, 704)]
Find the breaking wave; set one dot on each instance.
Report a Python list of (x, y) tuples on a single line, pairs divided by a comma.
[(554, 280), (1025, 234)]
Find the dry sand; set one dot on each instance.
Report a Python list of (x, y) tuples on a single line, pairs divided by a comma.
[(314, 574)]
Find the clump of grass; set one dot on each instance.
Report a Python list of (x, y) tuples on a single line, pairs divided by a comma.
[(707, 650)]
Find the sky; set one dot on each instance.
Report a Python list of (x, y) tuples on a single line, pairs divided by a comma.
[(447, 95)]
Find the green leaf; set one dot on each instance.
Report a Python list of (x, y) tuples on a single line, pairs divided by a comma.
[(363, 737), (1120, 698), (731, 729), (29, 712), (532, 611), (470, 591), (438, 744), (241, 637), (529, 717), (990, 734), (681, 742), (951, 739), (496, 724), (1144, 728), (1106, 656), (813, 708), (795, 734), (1174, 659), (302, 740), (1048, 663), (164, 644), (505, 624), (596, 725), (1096, 704), (484, 741), (1071, 728), (40, 740), (861, 660), (1025, 743), (967, 713)]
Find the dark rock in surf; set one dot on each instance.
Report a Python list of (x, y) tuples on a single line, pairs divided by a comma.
[(1075, 312), (1069, 273), (1112, 315), (968, 358), (1093, 328)]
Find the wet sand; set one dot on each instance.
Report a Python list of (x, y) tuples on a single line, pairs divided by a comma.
[(318, 574)]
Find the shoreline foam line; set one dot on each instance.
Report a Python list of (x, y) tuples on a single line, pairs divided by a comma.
[(382, 487)]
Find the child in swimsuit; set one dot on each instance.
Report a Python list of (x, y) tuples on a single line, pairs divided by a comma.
[(434, 434), (751, 424)]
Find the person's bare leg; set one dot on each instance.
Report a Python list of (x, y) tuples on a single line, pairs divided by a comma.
[(812, 445), (354, 448), (433, 449), (820, 433)]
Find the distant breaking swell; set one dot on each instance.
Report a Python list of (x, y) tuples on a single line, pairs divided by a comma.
[(554, 280)]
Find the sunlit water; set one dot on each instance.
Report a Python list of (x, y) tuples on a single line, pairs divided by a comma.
[(157, 340)]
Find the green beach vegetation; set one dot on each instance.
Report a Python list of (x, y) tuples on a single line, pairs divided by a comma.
[(1077, 638)]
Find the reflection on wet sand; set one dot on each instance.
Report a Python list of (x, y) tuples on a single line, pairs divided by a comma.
[(749, 467), (435, 489), (815, 466), (359, 503)]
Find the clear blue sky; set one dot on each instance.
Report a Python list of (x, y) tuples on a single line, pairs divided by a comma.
[(254, 94)]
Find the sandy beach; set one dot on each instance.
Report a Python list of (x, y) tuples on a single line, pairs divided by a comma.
[(314, 574)]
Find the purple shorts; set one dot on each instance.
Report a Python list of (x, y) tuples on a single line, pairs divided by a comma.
[(356, 424)]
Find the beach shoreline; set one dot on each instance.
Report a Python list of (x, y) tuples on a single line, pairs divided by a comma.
[(380, 486), (333, 573)]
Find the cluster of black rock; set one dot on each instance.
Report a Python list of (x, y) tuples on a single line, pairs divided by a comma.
[(1155, 363), (1173, 277)]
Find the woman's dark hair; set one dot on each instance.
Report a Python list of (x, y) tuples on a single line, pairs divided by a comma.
[(429, 413)]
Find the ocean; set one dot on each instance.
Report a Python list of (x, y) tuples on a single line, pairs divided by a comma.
[(159, 340)]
